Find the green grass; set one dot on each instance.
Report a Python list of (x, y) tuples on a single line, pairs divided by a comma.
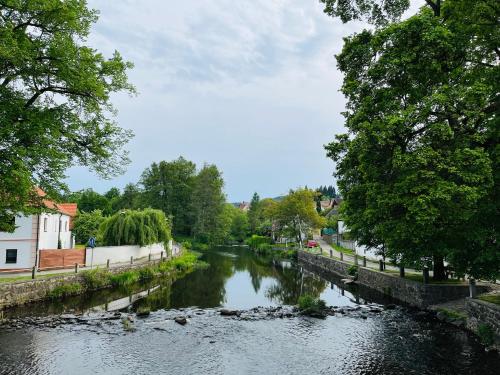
[(492, 298), (486, 334), (420, 278), (65, 290), (341, 249), (453, 314)]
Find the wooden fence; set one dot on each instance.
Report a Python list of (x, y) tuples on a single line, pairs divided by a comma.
[(62, 258)]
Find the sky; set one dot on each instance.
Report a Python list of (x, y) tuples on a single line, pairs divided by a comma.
[(250, 86)]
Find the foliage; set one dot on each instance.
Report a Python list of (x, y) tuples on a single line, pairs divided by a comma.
[(418, 169), (239, 226), (327, 192), (96, 279), (168, 186), (255, 241), (253, 213), (87, 225), (125, 278), (378, 12), (352, 271), (207, 205), (309, 305), (492, 298), (141, 228), (65, 290), (486, 334), (54, 101), (296, 214)]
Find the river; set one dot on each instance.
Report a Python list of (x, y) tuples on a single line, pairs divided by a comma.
[(394, 341)]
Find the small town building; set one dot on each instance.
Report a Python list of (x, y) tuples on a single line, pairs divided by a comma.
[(50, 229)]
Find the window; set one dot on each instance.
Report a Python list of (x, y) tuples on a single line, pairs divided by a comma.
[(45, 224), (60, 225), (66, 226), (11, 256)]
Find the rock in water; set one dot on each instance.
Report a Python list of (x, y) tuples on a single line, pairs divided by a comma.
[(181, 320), (227, 312)]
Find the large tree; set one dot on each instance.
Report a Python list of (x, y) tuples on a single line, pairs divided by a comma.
[(168, 186), (254, 213), (297, 215), (418, 168), (54, 101), (207, 204)]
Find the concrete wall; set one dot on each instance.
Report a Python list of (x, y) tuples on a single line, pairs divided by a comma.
[(118, 254), (411, 292), (482, 312)]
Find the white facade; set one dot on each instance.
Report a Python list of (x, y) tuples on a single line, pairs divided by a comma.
[(18, 249)]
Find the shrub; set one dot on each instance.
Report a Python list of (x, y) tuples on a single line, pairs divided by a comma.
[(187, 245), (146, 273), (309, 305), (124, 278), (353, 271), (256, 240), (96, 279), (486, 334), (65, 290)]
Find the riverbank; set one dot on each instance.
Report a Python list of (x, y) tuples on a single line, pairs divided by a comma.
[(479, 317), (59, 286)]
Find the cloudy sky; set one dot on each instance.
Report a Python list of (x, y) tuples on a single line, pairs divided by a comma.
[(250, 86)]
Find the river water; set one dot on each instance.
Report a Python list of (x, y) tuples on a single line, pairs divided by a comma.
[(395, 341)]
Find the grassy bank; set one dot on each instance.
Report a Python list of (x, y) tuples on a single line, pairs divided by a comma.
[(101, 278)]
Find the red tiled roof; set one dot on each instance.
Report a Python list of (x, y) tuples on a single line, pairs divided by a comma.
[(64, 208)]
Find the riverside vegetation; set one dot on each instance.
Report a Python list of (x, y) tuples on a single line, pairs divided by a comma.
[(100, 278)]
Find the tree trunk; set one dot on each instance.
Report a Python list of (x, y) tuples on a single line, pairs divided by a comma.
[(438, 268)]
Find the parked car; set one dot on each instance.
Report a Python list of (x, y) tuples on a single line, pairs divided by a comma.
[(311, 244)]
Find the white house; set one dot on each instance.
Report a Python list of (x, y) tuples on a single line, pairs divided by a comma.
[(19, 250)]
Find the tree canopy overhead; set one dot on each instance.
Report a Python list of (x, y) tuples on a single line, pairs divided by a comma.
[(55, 107), (418, 168)]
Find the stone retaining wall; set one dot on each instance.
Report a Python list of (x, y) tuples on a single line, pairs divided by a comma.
[(19, 293), (482, 312), (411, 292)]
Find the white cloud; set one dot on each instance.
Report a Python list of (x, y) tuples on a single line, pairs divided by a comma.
[(248, 85)]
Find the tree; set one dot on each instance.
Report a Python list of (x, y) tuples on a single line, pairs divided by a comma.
[(168, 186), (207, 203), (239, 225), (417, 169), (378, 12), (131, 199), (54, 101), (87, 225), (297, 213), (88, 200), (253, 213), (131, 227)]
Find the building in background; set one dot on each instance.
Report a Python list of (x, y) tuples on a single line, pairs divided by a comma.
[(49, 230)]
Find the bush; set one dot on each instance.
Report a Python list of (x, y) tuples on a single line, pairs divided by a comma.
[(96, 279), (65, 290), (353, 271), (486, 334), (146, 273), (309, 305), (124, 278), (187, 245), (256, 240)]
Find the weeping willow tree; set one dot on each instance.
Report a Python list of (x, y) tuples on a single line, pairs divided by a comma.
[(130, 227)]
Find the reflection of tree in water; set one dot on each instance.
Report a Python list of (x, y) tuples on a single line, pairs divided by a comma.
[(290, 284)]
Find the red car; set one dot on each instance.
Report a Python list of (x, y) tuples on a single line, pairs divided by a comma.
[(311, 244)]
